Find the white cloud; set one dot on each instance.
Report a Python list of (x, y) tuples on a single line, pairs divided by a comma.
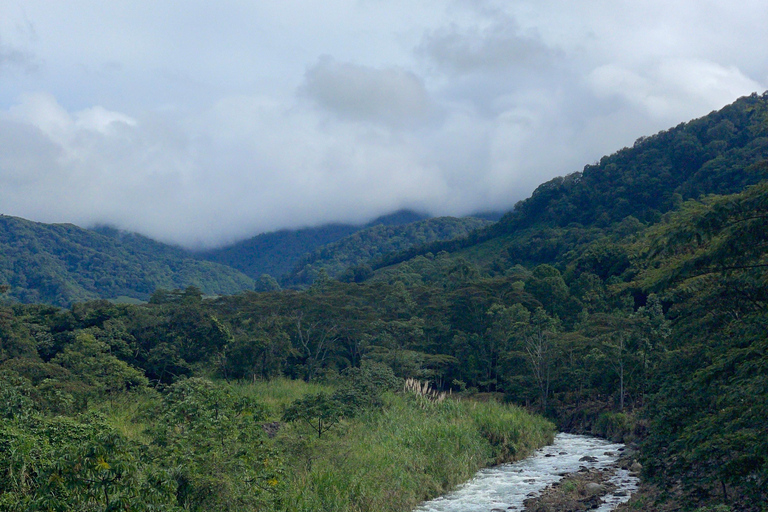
[(392, 96), (202, 123), (500, 47), (673, 89)]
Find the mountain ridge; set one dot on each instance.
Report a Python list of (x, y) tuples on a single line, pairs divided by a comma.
[(62, 263)]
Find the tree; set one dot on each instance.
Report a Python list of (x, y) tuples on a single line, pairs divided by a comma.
[(103, 373), (212, 438), (314, 338), (320, 411), (537, 340)]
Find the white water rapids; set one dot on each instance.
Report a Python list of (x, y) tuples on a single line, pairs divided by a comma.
[(505, 487)]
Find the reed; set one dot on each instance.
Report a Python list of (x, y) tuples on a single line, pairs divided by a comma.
[(424, 391)]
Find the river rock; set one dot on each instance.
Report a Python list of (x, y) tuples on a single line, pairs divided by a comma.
[(534, 493), (588, 458), (593, 488), (591, 502), (636, 467)]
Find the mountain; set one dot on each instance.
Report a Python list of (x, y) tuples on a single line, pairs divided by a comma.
[(721, 153), (350, 257), (277, 253), (62, 264)]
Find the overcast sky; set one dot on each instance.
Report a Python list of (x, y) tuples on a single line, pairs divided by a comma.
[(200, 123)]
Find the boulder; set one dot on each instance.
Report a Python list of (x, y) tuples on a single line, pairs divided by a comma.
[(593, 488)]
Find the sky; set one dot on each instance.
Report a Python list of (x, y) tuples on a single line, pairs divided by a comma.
[(201, 123)]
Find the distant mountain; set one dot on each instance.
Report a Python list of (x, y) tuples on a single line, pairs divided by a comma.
[(721, 153), (277, 253), (61, 264), (363, 247)]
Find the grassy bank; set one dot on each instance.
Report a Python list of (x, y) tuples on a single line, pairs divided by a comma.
[(392, 458), (201, 445)]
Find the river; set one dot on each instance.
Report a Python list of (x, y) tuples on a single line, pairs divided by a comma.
[(505, 487)]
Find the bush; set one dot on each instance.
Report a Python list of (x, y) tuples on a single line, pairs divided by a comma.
[(616, 426)]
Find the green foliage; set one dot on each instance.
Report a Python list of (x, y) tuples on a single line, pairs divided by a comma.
[(350, 258), (62, 264), (15, 394), (606, 300), (76, 464), (393, 458), (362, 387), (100, 372), (211, 436), (277, 254), (709, 259), (320, 411), (613, 425)]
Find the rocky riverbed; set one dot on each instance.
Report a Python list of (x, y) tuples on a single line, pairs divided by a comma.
[(574, 473)]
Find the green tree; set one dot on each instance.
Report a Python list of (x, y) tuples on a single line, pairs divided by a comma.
[(320, 411)]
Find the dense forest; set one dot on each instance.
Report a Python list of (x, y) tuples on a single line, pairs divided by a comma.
[(61, 264), (627, 300), (276, 254), (350, 258)]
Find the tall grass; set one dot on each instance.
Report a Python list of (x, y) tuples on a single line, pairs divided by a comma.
[(276, 394), (393, 459), (385, 459), (512, 432), (128, 413)]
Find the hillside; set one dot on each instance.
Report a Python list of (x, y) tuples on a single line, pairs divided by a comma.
[(62, 264), (350, 258), (277, 253), (719, 153)]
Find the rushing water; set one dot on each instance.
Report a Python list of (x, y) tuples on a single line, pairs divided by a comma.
[(505, 487)]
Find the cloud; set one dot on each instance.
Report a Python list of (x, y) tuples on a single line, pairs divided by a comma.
[(200, 125), (673, 88), (244, 166), (391, 96), (15, 58), (500, 47)]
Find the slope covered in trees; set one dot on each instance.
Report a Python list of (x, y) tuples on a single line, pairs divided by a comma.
[(62, 264), (349, 258), (717, 154), (277, 253)]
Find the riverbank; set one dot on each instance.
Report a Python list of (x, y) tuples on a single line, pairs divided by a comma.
[(409, 450), (507, 487), (602, 489), (357, 444)]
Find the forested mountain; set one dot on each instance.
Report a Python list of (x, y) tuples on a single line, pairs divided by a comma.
[(62, 264), (277, 253), (716, 154), (629, 300), (350, 258)]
